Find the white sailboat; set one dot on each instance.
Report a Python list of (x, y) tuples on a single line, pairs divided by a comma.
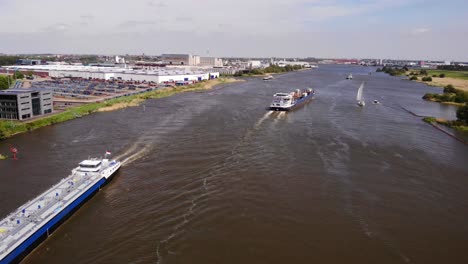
[(359, 96)]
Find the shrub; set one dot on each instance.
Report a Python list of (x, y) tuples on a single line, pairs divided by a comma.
[(18, 75), (428, 96), (461, 97), (446, 97), (433, 75), (423, 72), (450, 89), (427, 79), (442, 75), (462, 113), (413, 78), (429, 119)]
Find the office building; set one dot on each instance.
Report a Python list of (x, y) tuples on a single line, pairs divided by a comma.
[(20, 104)]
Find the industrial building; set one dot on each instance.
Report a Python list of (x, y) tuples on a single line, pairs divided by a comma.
[(191, 60), (210, 62), (28, 62), (179, 59), (159, 75), (20, 104)]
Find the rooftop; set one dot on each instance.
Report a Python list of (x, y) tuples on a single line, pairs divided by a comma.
[(90, 162), (163, 71), (20, 91)]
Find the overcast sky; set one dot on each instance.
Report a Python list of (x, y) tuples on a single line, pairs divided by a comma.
[(400, 29)]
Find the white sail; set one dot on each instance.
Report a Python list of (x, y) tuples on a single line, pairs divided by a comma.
[(359, 93)]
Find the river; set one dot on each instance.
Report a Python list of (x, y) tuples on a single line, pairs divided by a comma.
[(212, 177)]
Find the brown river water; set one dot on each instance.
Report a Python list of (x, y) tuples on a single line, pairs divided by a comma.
[(212, 177)]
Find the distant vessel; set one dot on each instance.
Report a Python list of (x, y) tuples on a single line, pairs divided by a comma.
[(349, 77), (376, 102), (34, 221), (359, 96), (289, 101), (269, 77)]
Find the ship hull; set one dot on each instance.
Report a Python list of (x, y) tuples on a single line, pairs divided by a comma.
[(28, 245)]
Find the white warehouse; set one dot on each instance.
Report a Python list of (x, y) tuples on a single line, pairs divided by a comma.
[(126, 74)]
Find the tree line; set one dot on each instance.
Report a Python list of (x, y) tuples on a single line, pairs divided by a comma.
[(453, 67), (393, 71), (273, 68)]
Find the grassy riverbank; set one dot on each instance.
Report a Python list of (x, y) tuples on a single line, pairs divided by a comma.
[(440, 78), (455, 124), (449, 74), (10, 128), (450, 95)]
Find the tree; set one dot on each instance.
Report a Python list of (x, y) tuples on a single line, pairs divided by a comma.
[(462, 113), (4, 82), (18, 75), (256, 71)]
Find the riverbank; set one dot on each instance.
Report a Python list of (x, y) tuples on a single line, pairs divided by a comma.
[(442, 102), (11, 128), (457, 125)]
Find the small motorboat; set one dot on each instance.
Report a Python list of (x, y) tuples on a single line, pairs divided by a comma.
[(376, 102)]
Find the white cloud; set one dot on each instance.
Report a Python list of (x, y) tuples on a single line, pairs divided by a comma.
[(419, 31), (57, 27)]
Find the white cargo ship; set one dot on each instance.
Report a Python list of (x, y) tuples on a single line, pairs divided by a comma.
[(34, 221), (289, 101)]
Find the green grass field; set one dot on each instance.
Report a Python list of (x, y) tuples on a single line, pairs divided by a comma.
[(451, 74)]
